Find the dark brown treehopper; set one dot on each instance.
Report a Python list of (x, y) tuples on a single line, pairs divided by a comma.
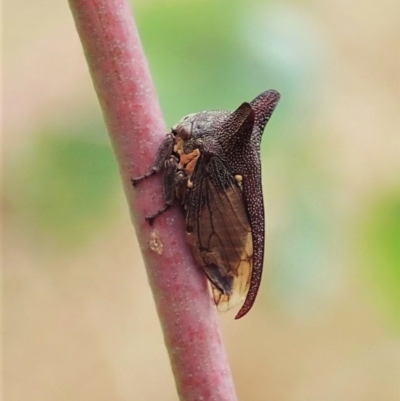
[(211, 162)]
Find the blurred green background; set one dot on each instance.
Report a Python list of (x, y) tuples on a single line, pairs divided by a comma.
[(79, 320)]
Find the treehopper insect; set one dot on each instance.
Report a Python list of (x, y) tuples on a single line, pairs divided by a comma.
[(212, 166)]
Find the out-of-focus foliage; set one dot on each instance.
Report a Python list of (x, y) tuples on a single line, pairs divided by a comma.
[(207, 55), (63, 187), (380, 251)]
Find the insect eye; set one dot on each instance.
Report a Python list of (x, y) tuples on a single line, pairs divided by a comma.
[(184, 131)]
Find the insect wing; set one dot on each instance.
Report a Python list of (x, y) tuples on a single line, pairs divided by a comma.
[(220, 233)]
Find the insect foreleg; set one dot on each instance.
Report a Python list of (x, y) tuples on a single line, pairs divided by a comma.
[(169, 184), (164, 151)]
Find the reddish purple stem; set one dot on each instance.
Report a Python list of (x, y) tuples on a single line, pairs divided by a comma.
[(128, 99)]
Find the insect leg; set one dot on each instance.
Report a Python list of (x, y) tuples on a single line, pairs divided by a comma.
[(169, 184), (164, 151)]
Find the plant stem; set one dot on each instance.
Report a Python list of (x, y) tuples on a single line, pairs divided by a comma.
[(127, 96)]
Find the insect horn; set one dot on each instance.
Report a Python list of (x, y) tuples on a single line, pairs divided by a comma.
[(238, 127), (263, 106)]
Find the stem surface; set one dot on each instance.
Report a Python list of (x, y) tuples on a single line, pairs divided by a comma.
[(135, 124)]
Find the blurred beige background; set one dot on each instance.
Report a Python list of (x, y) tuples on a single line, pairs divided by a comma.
[(79, 319)]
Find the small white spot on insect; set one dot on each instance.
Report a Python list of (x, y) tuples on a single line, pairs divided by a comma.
[(239, 180), (189, 184)]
